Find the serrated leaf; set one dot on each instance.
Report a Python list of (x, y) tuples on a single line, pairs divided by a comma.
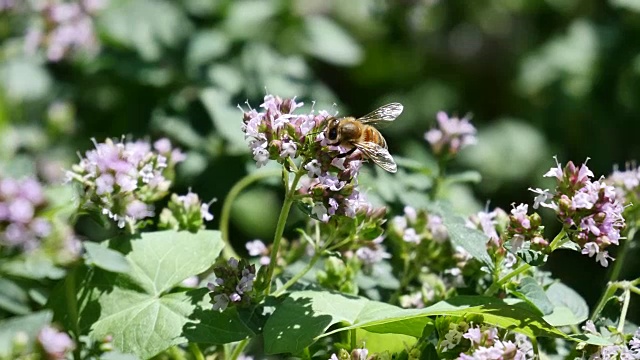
[(30, 325), (529, 290), (134, 307), (105, 258), (471, 240), (569, 307), (216, 327), (304, 317)]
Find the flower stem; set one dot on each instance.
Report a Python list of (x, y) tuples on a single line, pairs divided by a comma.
[(282, 220), (625, 307), (617, 265), (299, 275), (498, 284), (72, 307), (606, 295), (555, 243), (195, 350), (228, 250), (238, 349)]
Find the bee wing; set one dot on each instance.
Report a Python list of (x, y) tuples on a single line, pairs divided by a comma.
[(383, 114), (379, 155)]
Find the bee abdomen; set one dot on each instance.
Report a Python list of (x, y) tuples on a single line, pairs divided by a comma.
[(373, 135)]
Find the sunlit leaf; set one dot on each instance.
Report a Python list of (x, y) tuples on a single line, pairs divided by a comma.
[(137, 310), (304, 317)]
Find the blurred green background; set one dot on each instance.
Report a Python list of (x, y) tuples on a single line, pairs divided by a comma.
[(540, 78)]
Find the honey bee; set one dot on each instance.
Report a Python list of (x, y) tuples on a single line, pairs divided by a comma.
[(361, 134)]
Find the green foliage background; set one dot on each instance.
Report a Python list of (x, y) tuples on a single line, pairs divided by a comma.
[(540, 78)]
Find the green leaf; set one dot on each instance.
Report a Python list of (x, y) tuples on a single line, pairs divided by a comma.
[(377, 342), (569, 307), (24, 80), (13, 298), (105, 258), (148, 26), (216, 327), (627, 4), (328, 41), (206, 46), (135, 307), (529, 290), (30, 325), (35, 266), (471, 240), (304, 317)]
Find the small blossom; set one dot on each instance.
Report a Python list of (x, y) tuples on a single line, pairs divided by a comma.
[(56, 344), (451, 135)]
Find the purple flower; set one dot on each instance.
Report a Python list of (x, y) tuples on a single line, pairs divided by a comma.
[(56, 344), (451, 135), (69, 30), (123, 179), (234, 284), (373, 252), (588, 208)]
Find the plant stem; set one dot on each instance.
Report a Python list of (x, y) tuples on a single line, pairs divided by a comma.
[(72, 307), (617, 265), (225, 216), (299, 275), (282, 220), (625, 308), (352, 337), (498, 284), (555, 243), (195, 350), (238, 349), (606, 295), (439, 179)]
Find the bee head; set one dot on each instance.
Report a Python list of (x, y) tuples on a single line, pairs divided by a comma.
[(332, 130)]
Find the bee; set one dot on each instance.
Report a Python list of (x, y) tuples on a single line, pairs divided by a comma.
[(361, 134)]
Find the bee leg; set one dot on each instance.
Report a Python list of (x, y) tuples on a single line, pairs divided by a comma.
[(347, 153)]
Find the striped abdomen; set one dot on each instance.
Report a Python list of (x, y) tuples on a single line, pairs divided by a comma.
[(371, 134)]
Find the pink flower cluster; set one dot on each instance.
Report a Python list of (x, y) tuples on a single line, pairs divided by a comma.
[(123, 179), (589, 210), (66, 27), (21, 225), (451, 135)]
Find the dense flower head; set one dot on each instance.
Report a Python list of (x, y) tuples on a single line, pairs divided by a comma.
[(26, 224), (626, 184), (329, 185), (123, 179), (525, 229), (233, 285), (64, 28), (276, 133), (21, 205), (451, 135), (589, 209), (185, 212), (495, 225), (484, 342), (416, 226), (55, 344), (628, 351)]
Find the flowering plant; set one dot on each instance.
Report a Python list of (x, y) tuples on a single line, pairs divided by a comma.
[(443, 285)]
